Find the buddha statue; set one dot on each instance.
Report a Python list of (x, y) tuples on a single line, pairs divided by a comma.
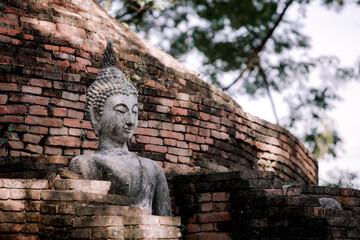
[(113, 107)]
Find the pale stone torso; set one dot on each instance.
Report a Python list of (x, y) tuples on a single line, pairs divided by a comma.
[(130, 175)]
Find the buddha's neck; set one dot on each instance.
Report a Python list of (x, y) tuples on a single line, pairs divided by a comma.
[(109, 147)]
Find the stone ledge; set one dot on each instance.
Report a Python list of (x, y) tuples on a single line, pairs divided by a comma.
[(89, 186)]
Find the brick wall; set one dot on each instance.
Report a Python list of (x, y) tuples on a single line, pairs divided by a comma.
[(75, 209), (51, 52), (254, 205)]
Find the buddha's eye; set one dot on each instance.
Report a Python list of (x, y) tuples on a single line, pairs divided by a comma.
[(121, 108), (135, 109)]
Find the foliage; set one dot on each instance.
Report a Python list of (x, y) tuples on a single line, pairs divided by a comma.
[(345, 179), (250, 42)]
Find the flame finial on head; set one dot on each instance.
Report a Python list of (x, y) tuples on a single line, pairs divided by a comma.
[(109, 59)]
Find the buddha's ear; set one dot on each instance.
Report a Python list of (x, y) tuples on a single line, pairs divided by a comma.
[(95, 118)]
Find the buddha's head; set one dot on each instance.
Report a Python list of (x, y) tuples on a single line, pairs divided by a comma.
[(112, 102)]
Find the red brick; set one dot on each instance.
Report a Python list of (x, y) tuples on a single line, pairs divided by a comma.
[(32, 217), (92, 70), (183, 159), (153, 140), (193, 227), (30, 99), (155, 148), (147, 131), (30, 89), (31, 138), (38, 110), (71, 31), (208, 125), (221, 206), (192, 130), (49, 122), (3, 99), (34, 148), (179, 128), (83, 61), (154, 124), (194, 146), (72, 152), (162, 109), (204, 147), (179, 111), (3, 110), (76, 132), (59, 112), (182, 144), (190, 137), (10, 205), (9, 87), (63, 141), (171, 158), (204, 116), (72, 77), (221, 197), (204, 197), (170, 134), (11, 119), (204, 132), (51, 47), (16, 109), (21, 128), (75, 114), (63, 64), (40, 82), (67, 50), (32, 206), (39, 130), (77, 123), (15, 144), (71, 104), (170, 141), (165, 102), (180, 151), (59, 131), (207, 227), (6, 39), (182, 96), (167, 126), (89, 144), (90, 135), (206, 207), (10, 227), (214, 217), (70, 96), (52, 151)]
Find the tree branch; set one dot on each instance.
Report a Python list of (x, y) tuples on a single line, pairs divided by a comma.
[(263, 75), (258, 49)]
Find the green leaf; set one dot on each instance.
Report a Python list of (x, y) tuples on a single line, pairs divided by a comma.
[(11, 127), (4, 140), (286, 186)]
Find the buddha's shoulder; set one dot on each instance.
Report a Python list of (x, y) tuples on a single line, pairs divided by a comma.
[(84, 159), (150, 163)]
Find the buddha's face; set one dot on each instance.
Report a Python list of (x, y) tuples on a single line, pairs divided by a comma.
[(119, 119)]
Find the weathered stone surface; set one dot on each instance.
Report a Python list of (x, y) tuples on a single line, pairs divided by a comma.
[(99, 187)]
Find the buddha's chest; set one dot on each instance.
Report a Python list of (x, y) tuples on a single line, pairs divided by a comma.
[(128, 175)]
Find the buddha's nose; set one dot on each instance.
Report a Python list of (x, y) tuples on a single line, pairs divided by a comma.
[(129, 122)]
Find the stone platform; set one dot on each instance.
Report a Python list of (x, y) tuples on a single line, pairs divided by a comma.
[(75, 209)]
